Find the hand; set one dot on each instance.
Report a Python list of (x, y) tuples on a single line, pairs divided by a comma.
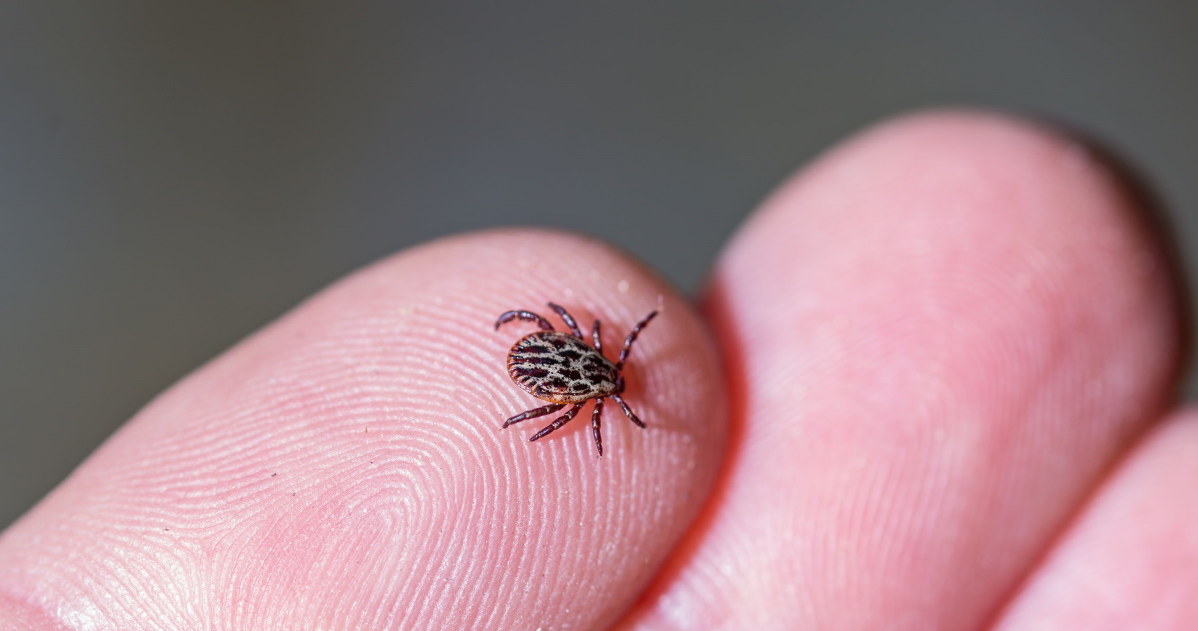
[(941, 400)]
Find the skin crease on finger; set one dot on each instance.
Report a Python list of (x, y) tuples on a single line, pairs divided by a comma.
[(940, 337), (344, 468)]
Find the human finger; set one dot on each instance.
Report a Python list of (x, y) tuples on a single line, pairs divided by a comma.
[(1130, 560), (940, 335), (345, 468)]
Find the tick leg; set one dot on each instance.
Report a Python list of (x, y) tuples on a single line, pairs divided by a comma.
[(567, 318), (636, 330), (595, 337), (595, 422), (628, 411), (508, 316), (558, 422), (524, 416)]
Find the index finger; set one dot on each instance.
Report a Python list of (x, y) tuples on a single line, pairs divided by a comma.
[(345, 467)]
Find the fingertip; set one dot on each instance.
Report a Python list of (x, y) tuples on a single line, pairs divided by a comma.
[(344, 466), (951, 320)]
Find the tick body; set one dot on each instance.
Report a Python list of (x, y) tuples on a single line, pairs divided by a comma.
[(563, 369)]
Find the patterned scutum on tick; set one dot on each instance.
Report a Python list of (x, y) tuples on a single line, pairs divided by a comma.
[(561, 368)]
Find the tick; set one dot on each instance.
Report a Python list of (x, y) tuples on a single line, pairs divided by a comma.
[(563, 369)]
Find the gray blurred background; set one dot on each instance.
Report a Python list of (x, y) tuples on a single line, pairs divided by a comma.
[(173, 177)]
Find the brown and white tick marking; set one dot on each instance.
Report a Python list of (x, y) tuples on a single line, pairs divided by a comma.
[(563, 369)]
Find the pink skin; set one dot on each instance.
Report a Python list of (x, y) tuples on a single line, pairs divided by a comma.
[(942, 343), (1129, 561), (945, 333), (345, 468)]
